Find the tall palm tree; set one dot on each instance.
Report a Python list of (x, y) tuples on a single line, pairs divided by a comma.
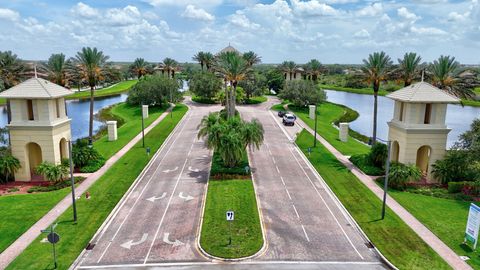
[(169, 66), (200, 58), (139, 67), (234, 68), (409, 67), (314, 68), (91, 63), (11, 70), (209, 60), (252, 58), (376, 70), (57, 69), (444, 72), (289, 67), (72, 67)]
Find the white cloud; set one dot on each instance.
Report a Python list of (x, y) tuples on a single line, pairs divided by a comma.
[(362, 34), (406, 14), (85, 10), (241, 20), (313, 8), (457, 17), (374, 9), (8, 14), (126, 16), (192, 12), (432, 31), (201, 3)]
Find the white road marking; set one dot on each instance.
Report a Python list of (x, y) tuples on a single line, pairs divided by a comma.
[(131, 243), (104, 251), (276, 167), (326, 205), (192, 169), (174, 244), (283, 182), (165, 212), (305, 232), (153, 199), (288, 193), (296, 212), (172, 170), (186, 198)]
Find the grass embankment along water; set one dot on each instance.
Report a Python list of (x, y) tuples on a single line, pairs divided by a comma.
[(237, 195), (105, 194), (252, 100), (116, 89), (329, 113), (397, 242), (446, 218), (369, 91)]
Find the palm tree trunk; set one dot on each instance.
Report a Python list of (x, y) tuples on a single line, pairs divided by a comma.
[(90, 123), (227, 99), (234, 94), (375, 101)]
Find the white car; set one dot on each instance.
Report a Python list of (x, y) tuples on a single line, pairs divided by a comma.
[(289, 119)]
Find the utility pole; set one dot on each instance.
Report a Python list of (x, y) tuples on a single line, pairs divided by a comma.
[(72, 180), (315, 136), (143, 127)]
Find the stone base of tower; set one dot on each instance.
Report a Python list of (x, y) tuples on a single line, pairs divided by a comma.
[(32, 145), (421, 147)]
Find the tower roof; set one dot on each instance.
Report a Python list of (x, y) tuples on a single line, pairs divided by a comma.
[(36, 88), (229, 48), (423, 92)]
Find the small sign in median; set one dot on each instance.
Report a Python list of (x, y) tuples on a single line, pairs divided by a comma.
[(473, 224), (230, 215)]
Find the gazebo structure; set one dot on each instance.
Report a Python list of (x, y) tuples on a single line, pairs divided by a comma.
[(39, 127), (418, 131)]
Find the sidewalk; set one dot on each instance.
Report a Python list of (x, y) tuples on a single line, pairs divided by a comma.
[(431, 239), (17, 247)]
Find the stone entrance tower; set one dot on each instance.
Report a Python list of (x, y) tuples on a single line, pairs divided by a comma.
[(417, 131), (39, 128)]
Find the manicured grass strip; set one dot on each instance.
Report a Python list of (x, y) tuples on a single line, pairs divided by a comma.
[(132, 116), (397, 242), (245, 230), (256, 100), (446, 218), (109, 91), (327, 114), (105, 194), (19, 212)]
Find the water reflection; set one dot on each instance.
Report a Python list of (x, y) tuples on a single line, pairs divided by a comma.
[(458, 118)]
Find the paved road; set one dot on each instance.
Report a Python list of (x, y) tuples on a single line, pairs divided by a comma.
[(157, 229)]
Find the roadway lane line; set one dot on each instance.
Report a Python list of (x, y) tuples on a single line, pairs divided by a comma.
[(296, 212), (165, 212), (288, 193), (324, 202), (140, 195), (305, 232)]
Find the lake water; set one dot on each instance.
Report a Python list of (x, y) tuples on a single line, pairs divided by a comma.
[(79, 112), (458, 118)]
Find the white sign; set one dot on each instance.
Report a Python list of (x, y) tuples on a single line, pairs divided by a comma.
[(473, 224), (230, 215)]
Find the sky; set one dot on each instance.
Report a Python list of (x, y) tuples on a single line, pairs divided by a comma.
[(332, 31)]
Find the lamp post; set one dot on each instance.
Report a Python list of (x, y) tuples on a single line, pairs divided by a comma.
[(72, 180), (387, 172), (315, 134), (143, 128)]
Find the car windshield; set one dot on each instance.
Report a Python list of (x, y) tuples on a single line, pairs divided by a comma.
[(290, 117)]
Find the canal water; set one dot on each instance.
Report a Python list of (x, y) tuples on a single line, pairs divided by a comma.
[(458, 118), (79, 112)]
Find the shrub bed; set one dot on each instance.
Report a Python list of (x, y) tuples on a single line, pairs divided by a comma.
[(219, 171), (203, 100), (56, 186), (364, 163)]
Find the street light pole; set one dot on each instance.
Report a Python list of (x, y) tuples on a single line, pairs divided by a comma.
[(315, 136), (72, 179), (387, 172), (143, 128)]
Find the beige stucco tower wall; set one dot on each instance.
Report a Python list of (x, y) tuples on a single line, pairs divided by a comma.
[(39, 127), (418, 131)]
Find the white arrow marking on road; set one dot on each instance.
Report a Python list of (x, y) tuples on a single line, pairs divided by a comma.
[(188, 198), (193, 170), (130, 243), (175, 244), (153, 199), (167, 171)]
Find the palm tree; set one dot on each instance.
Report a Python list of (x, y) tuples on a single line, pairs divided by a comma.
[(234, 68), (252, 133), (375, 71), (9, 165), (200, 58), (11, 70), (57, 69), (91, 63), (252, 58), (169, 66), (209, 60), (139, 67), (444, 72), (409, 67), (289, 67), (72, 67), (314, 68)]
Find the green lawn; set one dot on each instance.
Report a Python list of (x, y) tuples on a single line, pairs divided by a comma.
[(113, 90), (245, 231), (444, 217), (327, 114), (105, 194), (19, 212), (256, 100), (132, 116), (391, 236)]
